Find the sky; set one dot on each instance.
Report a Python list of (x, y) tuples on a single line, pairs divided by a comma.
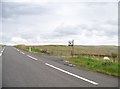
[(44, 22)]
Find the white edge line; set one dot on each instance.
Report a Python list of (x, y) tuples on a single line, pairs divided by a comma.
[(32, 57), (16, 49), (87, 80), (22, 52), (19, 51)]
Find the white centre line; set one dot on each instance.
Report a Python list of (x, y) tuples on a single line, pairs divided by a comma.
[(2, 51), (0, 54), (87, 80), (32, 57)]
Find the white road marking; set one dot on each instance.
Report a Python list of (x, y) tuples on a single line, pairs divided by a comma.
[(32, 57), (17, 49), (2, 51), (14, 48), (22, 52), (0, 54), (69, 73)]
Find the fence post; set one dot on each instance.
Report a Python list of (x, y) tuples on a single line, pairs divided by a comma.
[(30, 49)]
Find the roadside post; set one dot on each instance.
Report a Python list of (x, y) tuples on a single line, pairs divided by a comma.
[(71, 43), (30, 49)]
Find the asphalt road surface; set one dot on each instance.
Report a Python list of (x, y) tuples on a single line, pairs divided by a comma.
[(22, 69), (1, 66)]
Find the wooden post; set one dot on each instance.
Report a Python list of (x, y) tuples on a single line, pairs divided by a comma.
[(30, 49)]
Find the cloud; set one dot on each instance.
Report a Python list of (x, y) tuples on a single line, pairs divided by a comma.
[(56, 23), (66, 30), (15, 9), (103, 29), (44, 1), (18, 40)]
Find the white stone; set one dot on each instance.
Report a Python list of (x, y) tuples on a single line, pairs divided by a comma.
[(106, 58)]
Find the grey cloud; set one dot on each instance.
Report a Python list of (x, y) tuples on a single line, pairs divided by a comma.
[(28, 29), (86, 30), (105, 31), (6, 39), (64, 31), (112, 22), (92, 4), (26, 36), (0, 9), (15, 9), (69, 30)]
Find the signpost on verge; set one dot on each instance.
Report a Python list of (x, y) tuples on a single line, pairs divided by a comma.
[(71, 43)]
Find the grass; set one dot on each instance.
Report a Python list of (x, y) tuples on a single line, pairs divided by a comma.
[(52, 49), (106, 67), (36, 51)]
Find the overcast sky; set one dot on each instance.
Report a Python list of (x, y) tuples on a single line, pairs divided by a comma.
[(52, 22)]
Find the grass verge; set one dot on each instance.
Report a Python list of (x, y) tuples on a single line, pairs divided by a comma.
[(93, 64)]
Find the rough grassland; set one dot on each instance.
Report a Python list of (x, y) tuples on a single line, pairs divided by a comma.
[(105, 67)]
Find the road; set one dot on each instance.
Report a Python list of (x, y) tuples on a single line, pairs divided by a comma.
[(23, 69), (1, 66)]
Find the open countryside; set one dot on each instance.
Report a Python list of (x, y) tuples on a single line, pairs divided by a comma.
[(59, 43)]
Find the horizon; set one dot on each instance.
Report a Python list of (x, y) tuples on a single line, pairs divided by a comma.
[(54, 45)]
